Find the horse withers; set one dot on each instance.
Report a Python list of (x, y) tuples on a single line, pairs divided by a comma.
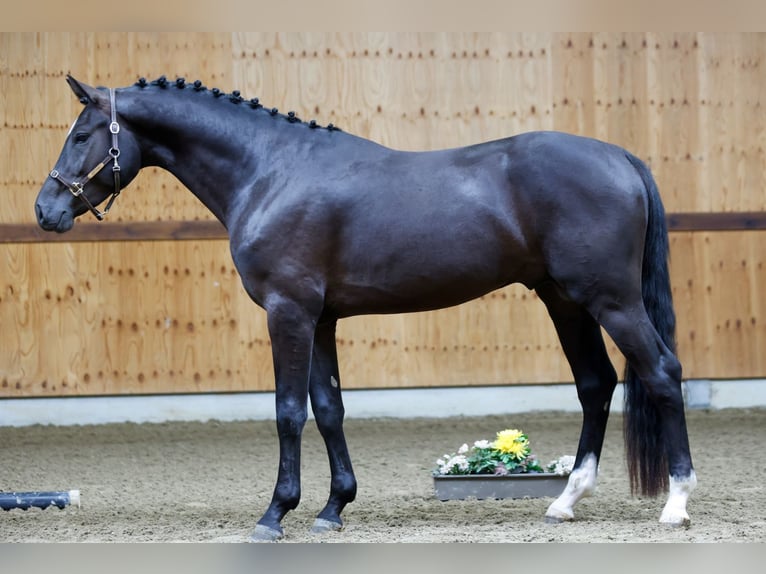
[(325, 225)]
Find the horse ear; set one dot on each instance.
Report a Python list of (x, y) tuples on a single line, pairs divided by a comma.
[(84, 92)]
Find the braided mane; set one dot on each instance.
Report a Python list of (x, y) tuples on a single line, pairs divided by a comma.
[(234, 97)]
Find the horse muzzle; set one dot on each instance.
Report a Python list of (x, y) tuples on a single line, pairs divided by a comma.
[(61, 223)]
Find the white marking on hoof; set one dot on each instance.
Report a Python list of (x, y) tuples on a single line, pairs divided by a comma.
[(264, 533), (674, 513), (581, 483), (321, 525)]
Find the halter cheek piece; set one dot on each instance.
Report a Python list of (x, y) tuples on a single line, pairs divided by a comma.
[(77, 188)]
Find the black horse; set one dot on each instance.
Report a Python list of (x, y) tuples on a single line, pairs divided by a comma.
[(325, 225)]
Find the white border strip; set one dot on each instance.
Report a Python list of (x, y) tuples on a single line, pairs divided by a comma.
[(394, 403)]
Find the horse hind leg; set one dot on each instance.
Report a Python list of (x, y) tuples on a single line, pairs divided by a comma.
[(595, 379), (654, 410), (327, 405)]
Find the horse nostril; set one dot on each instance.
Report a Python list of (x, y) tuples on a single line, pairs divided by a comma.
[(39, 212)]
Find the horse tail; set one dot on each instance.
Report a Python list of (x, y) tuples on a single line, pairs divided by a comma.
[(645, 447)]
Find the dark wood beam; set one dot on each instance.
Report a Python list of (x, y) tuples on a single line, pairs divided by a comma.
[(116, 231), (735, 221), (210, 229)]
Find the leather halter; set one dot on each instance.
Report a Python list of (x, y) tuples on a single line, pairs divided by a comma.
[(77, 188)]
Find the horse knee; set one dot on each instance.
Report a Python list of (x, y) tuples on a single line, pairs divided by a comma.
[(328, 416), (291, 420)]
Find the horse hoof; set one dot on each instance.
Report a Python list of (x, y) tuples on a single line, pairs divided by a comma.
[(557, 514), (263, 533), (322, 525), (554, 520), (675, 517), (682, 522)]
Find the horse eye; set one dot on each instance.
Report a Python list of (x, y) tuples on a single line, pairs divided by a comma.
[(81, 137)]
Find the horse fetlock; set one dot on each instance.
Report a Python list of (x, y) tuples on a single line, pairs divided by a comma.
[(674, 513), (287, 499), (344, 489), (331, 512), (583, 486), (582, 483)]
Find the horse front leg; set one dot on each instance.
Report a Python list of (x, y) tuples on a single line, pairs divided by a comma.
[(291, 329), (327, 405)]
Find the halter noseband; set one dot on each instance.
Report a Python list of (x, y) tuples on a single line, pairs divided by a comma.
[(77, 188)]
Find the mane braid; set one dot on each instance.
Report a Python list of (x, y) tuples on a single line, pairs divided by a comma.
[(235, 97)]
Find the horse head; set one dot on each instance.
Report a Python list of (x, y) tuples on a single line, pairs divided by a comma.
[(99, 158)]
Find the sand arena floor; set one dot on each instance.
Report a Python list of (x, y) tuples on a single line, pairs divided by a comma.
[(210, 482)]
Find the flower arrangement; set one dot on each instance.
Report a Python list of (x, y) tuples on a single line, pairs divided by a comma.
[(509, 453)]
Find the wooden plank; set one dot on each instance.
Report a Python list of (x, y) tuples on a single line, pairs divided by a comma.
[(116, 231), (736, 221), (213, 230)]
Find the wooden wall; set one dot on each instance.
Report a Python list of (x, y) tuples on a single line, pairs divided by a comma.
[(158, 315)]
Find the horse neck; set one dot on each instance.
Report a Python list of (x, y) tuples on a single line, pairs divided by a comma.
[(206, 144)]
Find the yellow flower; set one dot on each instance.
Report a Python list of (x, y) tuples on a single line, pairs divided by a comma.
[(512, 441)]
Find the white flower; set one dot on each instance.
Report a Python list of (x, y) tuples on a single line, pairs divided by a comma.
[(563, 465), (463, 449), (460, 462), (455, 464), (481, 444)]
